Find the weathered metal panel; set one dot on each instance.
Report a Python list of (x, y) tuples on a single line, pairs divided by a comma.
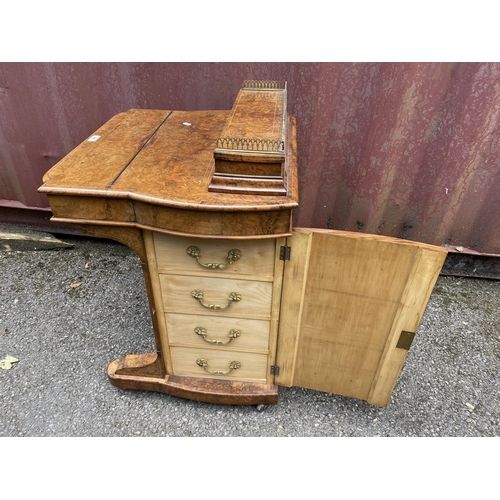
[(407, 150), (400, 149)]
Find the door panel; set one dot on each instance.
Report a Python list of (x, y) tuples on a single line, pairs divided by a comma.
[(346, 298)]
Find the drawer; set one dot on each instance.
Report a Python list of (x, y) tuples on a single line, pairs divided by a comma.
[(255, 300), (256, 261), (253, 334), (252, 366)]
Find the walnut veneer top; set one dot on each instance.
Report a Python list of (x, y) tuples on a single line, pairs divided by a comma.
[(163, 158)]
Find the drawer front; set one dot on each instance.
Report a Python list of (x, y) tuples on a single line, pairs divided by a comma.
[(251, 335), (255, 263), (252, 367), (255, 300)]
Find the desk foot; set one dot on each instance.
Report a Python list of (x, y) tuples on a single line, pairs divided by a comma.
[(144, 372)]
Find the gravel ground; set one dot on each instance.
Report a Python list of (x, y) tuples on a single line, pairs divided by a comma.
[(65, 337)]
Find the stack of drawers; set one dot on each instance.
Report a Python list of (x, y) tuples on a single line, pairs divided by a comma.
[(218, 319)]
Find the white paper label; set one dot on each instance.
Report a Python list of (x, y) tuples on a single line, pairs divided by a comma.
[(94, 138)]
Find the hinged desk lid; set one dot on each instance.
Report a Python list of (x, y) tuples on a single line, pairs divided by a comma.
[(250, 156), (257, 122), (346, 299)]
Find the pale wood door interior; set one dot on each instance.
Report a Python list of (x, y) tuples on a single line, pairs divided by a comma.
[(346, 299)]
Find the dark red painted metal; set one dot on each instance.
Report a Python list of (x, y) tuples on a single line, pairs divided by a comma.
[(400, 149)]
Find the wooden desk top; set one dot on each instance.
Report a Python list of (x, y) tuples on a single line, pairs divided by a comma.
[(163, 158), (152, 169)]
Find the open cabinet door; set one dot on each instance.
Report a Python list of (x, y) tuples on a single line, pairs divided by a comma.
[(351, 304)]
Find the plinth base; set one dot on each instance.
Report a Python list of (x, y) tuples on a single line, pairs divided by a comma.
[(145, 372)]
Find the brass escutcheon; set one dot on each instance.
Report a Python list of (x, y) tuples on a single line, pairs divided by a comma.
[(233, 297), (233, 334), (234, 365), (232, 256)]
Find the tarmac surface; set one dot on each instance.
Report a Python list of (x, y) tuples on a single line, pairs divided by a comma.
[(64, 337)]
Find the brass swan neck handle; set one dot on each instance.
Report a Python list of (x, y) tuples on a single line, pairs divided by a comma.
[(233, 297), (233, 334), (234, 365), (232, 256)]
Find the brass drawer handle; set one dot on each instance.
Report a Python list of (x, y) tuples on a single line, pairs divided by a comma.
[(234, 365), (232, 255), (233, 297), (233, 334)]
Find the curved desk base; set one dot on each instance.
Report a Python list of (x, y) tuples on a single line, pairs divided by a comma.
[(145, 372)]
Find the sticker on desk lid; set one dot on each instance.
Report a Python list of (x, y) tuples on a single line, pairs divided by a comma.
[(94, 138)]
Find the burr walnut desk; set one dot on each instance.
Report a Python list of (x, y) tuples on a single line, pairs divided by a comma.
[(241, 302)]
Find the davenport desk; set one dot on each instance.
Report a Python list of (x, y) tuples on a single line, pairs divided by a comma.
[(240, 301)]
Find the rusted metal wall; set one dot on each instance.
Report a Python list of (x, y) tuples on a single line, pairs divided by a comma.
[(400, 149)]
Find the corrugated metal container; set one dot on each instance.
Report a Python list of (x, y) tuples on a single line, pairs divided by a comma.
[(400, 149)]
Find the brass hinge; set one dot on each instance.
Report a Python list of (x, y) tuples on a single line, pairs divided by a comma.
[(405, 340), (275, 370), (285, 252)]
